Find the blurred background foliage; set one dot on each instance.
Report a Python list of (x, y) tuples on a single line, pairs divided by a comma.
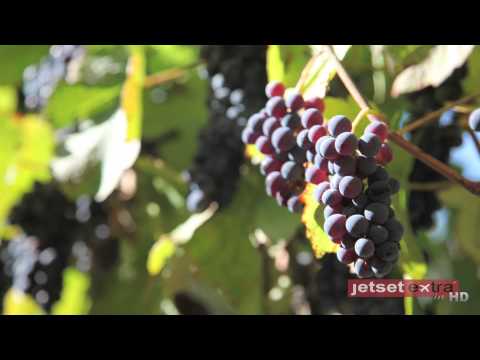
[(251, 257)]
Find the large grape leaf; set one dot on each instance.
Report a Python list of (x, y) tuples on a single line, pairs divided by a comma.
[(405, 55), (15, 58), (286, 62), (73, 102), (441, 62), (26, 148)]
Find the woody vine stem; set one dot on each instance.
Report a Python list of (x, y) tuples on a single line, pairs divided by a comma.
[(415, 151)]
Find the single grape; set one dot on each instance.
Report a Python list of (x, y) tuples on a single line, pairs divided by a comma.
[(339, 124), (380, 174), (283, 139), (320, 162), (350, 187), (264, 145), (378, 128), (249, 136), (291, 171), (346, 256), (378, 234), (282, 198), (334, 225), (310, 155), (311, 117), (345, 165), (303, 140), (366, 166), (297, 154), (376, 213), (394, 185), (274, 88), (316, 132), (388, 251), (269, 165), (274, 183), (335, 182), (316, 103), (332, 198), (474, 120), (294, 101), (292, 121), (328, 211), (326, 147), (269, 126), (379, 267), (357, 225), (362, 269), (379, 190), (384, 155), (369, 144), (349, 210), (364, 248), (197, 201), (360, 201), (255, 122), (320, 189), (276, 107), (346, 143), (315, 175), (348, 242), (295, 205), (395, 229)]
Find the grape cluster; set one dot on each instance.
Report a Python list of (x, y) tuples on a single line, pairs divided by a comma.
[(437, 139), (56, 231), (301, 149), (474, 120), (237, 76), (39, 81)]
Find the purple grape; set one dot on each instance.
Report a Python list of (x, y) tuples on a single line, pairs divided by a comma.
[(344, 166), (297, 154), (276, 107), (303, 141), (291, 171), (331, 169), (339, 124), (274, 88), (292, 121), (395, 230), (366, 166), (385, 154), (346, 256), (360, 201), (315, 175), (334, 225), (332, 198), (388, 251), (357, 225), (320, 162), (348, 242), (316, 103), (335, 182), (274, 183), (316, 132), (380, 174), (249, 136), (294, 101), (269, 165), (311, 117), (369, 144), (364, 248), (376, 213), (294, 205), (320, 189), (379, 267), (326, 148), (255, 122), (269, 126), (349, 211), (394, 185), (379, 190), (378, 234), (283, 139), (264, 145), (474, 120), (377, 128), (282, 198), (310, 155), (328, 211), (346, 144), (362, 269), (350, 187)]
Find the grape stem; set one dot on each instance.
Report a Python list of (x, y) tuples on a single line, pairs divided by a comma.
[(434, 115), (415, 151)]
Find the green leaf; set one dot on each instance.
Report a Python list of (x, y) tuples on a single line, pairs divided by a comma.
[(15, 58), (441, 62), (159, 255), (75, 102), (275, 67), (162, 57), (471, 82), (8, 100), (75, 299), (286, 62)]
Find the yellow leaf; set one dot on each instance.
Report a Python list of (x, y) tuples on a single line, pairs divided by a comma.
[(320, 242), (275, 68), (16, 302), (74, 299), (158, 256)]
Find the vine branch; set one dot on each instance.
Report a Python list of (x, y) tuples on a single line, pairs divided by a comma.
[(414, 150)]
